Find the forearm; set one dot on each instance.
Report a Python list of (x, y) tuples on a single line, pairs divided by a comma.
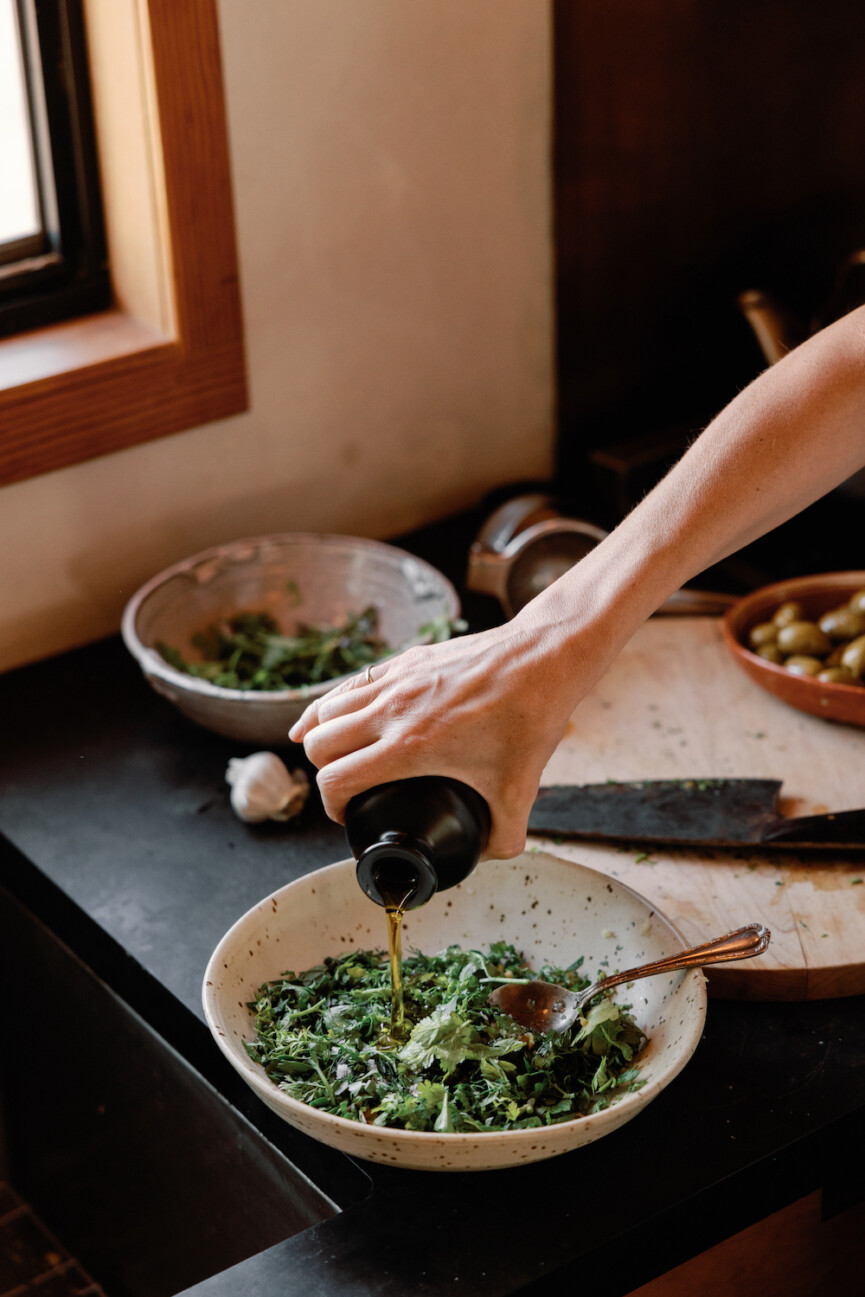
[(787, 439)]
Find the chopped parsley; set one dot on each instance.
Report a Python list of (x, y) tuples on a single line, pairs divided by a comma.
[(463, 1065), (249, 651)]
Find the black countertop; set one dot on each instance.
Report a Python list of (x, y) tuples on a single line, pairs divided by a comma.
[(117, 830)]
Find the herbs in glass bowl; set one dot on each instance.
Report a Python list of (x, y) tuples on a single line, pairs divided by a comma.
[(461, 1065)]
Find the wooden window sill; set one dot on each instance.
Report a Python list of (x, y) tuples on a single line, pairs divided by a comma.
[(101, 384)]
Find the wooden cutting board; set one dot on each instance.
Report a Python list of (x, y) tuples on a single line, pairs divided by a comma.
[(675, 705)]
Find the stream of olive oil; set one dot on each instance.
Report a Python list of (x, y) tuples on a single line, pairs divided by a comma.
[(394, 951), (396, 894)]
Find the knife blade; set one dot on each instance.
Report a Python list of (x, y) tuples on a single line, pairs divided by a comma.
[(690, 812)]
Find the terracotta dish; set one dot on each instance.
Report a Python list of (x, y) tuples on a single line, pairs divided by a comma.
[(817, 595)]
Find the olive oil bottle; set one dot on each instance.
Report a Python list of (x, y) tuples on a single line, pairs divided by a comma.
[(424, 834), (412, 838)]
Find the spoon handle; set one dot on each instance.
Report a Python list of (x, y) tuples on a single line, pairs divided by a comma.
[(741, 944)]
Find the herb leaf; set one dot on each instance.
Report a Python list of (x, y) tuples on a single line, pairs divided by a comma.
[(447, 1037)]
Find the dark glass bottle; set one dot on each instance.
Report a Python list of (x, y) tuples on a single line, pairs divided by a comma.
[(414, 837)]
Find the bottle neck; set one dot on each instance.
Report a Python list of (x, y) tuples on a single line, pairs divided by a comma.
[(396, 872)]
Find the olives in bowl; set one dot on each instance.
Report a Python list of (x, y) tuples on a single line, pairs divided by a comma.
[(803, 640)]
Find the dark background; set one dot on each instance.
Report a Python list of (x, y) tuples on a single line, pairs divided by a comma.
[(702, 148)]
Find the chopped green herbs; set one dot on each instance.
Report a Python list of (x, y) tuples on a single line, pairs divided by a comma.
[(323, 1037), (248, 651)]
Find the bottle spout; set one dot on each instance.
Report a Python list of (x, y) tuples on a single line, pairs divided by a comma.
[(396, 873)]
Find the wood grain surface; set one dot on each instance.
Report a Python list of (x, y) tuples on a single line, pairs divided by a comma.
[(675, 705)]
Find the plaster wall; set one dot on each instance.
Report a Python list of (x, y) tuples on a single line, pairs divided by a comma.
[(393, 199)]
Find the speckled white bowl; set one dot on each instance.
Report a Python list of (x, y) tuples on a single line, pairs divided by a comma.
[(335, 576), (551, 909)]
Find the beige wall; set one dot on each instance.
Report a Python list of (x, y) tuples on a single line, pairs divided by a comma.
[(392, 187)]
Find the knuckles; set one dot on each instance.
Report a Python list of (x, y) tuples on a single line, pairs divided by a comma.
[(328, 786)]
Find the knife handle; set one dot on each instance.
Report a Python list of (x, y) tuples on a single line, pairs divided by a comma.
[(839, 828)]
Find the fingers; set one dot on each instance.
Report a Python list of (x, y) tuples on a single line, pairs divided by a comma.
[(353, 754), (333, 739), (350, 696), (509, 805), (507, 839), (343, 779)]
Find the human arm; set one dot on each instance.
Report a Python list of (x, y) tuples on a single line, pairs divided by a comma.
[(491, 708)]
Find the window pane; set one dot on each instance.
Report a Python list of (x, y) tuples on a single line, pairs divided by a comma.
[(19, 206)]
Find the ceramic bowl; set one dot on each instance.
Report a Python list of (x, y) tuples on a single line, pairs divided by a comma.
[(551, 909), (816, 594), (319, 579)]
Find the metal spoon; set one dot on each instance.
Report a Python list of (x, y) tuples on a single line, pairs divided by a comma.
[(544, 1006)]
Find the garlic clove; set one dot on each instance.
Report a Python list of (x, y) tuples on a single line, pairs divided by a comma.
[(262, 788)]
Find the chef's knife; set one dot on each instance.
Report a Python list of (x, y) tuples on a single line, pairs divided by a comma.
[(690, 812)]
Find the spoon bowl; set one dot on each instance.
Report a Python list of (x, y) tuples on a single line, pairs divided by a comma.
[(545, 1006)]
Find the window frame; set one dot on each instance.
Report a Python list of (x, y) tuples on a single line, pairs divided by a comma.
[(60, 272), (124, 376)]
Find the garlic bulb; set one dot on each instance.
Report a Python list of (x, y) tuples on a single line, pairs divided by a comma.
[(262, 788)]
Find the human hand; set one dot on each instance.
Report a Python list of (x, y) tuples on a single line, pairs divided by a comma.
[(488, 709)]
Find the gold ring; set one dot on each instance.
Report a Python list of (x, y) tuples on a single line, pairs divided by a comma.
[(368, 676)]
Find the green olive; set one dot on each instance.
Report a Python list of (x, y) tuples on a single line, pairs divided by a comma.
[(837, 676), (803, 637), (770, 653), (801, 664), (787, 612), (842, 623), (853, 657), (857, 602), (766, 632)]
